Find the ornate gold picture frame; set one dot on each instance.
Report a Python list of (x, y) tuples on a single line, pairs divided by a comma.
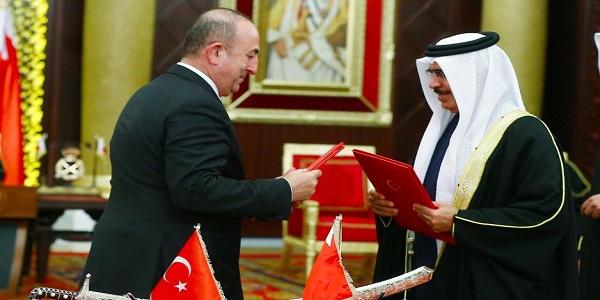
[(322, 62)]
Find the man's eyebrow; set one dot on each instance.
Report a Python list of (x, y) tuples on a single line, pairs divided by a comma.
[(434, 70)]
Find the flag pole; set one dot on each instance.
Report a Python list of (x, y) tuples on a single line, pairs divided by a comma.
[(339, 229), (94, 161)]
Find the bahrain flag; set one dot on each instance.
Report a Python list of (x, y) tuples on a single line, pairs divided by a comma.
[(190, 275), (328, 278), (100, 146), (11, 134)]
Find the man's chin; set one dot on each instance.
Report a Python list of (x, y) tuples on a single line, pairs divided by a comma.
[(444, 105)]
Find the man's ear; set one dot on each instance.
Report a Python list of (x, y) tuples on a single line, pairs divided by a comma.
[(215, 52)]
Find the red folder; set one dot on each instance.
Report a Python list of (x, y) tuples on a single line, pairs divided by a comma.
[(400, 184), (327, 156)]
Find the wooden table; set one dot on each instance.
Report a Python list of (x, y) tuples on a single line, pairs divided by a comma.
[(52, 202), (17, 211)]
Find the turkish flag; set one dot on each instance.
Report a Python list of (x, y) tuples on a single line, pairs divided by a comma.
[(190, 275), (11, 147), (328, 278)]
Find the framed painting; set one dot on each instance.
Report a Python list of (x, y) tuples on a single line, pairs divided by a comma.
[(322, 62)]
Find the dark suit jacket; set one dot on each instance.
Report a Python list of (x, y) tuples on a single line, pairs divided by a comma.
[(176, 161)]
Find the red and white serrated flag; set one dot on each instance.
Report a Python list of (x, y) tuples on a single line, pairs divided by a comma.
[(10, 111), (100, 146), (328, 278), (41, 146), (190, 275)]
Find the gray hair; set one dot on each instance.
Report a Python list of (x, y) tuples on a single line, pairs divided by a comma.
[(217, 25)]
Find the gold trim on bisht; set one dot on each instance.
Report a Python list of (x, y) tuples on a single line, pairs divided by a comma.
[(471, 176), (469, 180)]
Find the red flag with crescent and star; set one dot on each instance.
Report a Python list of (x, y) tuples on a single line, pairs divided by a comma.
[(328, 278), (190, 275)]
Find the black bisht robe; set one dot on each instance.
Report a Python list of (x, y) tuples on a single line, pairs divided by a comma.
[(590, 246), (517, 239)]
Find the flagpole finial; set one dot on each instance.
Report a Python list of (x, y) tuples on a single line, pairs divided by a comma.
[(338, 219)]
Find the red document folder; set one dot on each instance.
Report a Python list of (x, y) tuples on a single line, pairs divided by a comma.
[(327, 156), (400, 184)]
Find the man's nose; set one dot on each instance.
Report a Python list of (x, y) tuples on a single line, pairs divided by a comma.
[(433, 83), (252, 67)]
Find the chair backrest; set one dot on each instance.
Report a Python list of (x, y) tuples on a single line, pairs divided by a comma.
[(343, 187)]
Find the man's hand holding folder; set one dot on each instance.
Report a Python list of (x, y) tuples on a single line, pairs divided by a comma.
[(299, 192), (440, 220), (401, 195)]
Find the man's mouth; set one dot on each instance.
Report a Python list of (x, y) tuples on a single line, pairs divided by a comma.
[(441, 92)]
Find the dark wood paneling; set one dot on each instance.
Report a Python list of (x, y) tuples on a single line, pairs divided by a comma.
[(572, 88), (62, 86), (571, 99), (420, 23), (173, 19)]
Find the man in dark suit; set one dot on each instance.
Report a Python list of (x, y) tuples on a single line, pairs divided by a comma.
[(176, 162)]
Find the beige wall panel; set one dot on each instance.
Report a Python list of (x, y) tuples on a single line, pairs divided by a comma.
[(522, 28), (117, 55)]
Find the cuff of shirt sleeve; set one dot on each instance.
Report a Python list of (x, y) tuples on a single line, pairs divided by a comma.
[(454, 223), (453, 230)]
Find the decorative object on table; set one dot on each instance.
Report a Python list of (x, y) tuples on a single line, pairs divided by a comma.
[(70, 167)]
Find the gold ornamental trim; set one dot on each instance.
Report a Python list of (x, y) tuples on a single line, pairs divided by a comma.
[(469, 180), (373, 113)]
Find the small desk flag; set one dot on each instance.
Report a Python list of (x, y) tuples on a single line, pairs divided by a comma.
[(190, 275), (328, 278)]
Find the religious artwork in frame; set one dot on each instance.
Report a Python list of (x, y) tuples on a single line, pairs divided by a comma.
[(322, 62)]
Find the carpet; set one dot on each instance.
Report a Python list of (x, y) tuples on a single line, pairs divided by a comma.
[(261, 275)]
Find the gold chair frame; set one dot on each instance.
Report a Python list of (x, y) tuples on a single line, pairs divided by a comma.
[(308, 241)]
